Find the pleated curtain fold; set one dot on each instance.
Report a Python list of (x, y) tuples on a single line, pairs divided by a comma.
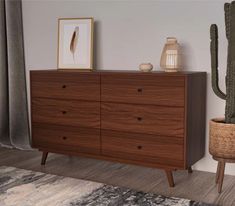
[(14, 121)]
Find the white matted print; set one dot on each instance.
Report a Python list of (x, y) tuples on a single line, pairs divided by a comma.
[(75, 49)]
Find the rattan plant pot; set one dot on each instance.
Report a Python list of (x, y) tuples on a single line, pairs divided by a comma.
[(222, 139)]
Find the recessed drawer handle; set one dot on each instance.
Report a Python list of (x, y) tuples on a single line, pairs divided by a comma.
[(64, 138), (139, 90), (64, 86), (139, 147), (139, 118), (64, 112)]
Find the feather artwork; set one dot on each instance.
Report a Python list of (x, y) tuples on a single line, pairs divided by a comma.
[(74, 41)]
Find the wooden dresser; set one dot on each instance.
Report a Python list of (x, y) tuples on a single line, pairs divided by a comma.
[(153, 119)]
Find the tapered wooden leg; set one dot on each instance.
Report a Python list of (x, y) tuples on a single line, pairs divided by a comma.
[(190, 171), (221, 176), (217, 172), (44, 158), (170, 179)]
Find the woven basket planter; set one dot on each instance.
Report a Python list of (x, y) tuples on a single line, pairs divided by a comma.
[(222, 139)]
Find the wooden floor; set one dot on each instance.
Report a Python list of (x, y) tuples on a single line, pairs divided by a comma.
[(199, 186)]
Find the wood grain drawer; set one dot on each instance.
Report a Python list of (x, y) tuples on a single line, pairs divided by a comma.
[(65, 85), (66, 112), (148, 148), (143, 89), (66, 138), (147, 119)]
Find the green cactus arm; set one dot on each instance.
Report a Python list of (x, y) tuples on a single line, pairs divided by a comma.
[(214, 61)]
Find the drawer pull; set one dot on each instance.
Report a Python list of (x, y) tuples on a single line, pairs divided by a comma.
[(64, 86), (139, 118), (139, 90), (64, 112), (139, 147), (64, 138)]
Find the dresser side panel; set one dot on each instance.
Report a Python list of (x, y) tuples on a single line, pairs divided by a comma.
[(195, 118)]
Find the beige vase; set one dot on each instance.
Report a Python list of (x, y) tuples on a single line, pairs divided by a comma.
[(171, 56), (146, 67), (222, 139)]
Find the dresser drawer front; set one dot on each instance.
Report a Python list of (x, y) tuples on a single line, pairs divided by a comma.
[(66, 112), (143, 89), (66, 138), (146, 148), (146, 119), (65, 85)]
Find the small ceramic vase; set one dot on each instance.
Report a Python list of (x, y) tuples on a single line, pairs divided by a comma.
[(146, 67), (171, 56)]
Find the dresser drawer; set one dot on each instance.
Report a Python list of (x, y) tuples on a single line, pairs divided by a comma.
[(65, 85), (162, 150), (66, 112), (66, 138), (147, 119), (143, 89)]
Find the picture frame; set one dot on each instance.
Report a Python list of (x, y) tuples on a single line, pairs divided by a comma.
[(75, 43)]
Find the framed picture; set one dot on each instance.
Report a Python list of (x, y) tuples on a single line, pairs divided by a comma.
[(75, 43)]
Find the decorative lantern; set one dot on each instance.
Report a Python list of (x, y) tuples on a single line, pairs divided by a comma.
[(171, 56)]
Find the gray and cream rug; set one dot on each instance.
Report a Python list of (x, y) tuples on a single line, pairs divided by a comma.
[(20, 187)]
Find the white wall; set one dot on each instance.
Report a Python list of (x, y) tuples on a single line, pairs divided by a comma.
[(130, 32)]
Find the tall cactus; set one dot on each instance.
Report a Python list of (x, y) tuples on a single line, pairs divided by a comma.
[(229, 9)]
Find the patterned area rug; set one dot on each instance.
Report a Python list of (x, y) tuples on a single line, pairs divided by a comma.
[(20, 187)]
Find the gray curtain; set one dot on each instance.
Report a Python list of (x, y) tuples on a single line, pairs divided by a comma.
[(14, 124)]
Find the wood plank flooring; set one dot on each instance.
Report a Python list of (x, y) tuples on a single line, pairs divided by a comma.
[(199, 186)]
